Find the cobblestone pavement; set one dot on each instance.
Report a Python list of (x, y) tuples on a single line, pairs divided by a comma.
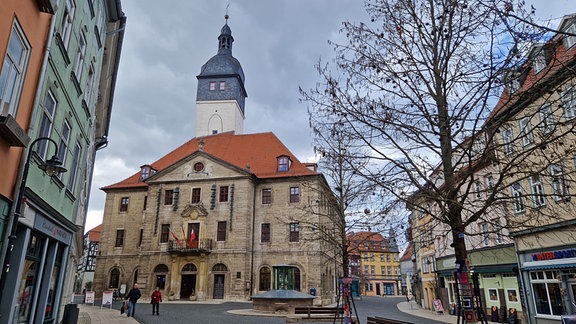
[(218, 312)]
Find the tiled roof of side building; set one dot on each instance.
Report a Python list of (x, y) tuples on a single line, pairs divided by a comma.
[(558, 59), (94, 234), (259, 151)]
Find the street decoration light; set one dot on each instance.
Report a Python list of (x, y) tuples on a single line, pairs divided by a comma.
[(51, 167)]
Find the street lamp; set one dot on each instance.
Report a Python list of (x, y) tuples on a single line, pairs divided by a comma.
[(51, 167)]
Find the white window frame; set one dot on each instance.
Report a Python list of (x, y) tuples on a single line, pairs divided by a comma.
[(508, 140), (79, 60), (498, 230), (539, 62), (485, 234), (546, 278), (513, 86), (478, 189), (89, 85), (570, 40), (67, 21), (64, 141), (526, 131), (518, 198), (546, 119), (46, 122), (568, 98), (537, 191), (13, 70), (489, 179), (74, 167), (559, 181)]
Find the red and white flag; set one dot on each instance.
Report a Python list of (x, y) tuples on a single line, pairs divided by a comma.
[(176, 238), (192, 238)]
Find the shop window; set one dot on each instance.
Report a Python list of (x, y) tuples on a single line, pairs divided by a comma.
[(547, 293)]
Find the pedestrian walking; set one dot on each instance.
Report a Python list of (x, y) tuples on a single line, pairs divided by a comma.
[(156, 300), (132, 297)]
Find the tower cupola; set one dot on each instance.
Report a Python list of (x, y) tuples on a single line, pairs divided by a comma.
[(221, 94)]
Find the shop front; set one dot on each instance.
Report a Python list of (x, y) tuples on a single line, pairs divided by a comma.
[(34, 285), (549, 278)]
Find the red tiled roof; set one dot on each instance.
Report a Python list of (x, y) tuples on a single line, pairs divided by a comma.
[(407, 255), (257, 150), (94, 234), (359, 242), (560, 59)]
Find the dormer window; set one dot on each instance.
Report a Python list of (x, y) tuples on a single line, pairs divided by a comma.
[(513, 86), (539, 62), (145, 172), (283, 163), (222, 85), (570, 40)]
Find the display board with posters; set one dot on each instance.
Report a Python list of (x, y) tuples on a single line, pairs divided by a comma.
[(89, 298), (107, 299), (437, 303)]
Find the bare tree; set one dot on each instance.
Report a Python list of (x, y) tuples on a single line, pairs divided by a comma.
[(441, 94)]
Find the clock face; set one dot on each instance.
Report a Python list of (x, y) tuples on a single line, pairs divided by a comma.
[(198, 166)]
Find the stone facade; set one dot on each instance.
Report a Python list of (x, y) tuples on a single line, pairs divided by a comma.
[(229, 257)]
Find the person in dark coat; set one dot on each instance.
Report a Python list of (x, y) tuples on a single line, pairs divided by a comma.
[(132, 297), (494, 314), (512, 316)]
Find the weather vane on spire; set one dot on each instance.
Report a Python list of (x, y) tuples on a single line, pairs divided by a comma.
[(226, 15)]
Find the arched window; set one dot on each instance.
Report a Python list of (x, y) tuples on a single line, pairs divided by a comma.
[(114, 278), (161, 268), (265, 279), (160, 272), (135, 277), (220, 267), (189, 268)]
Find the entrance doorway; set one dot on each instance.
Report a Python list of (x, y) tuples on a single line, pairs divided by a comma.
[(218, 286), (377, 289), (187, 286)]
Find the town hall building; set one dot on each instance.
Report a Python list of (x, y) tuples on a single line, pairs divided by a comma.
[(226, 215)]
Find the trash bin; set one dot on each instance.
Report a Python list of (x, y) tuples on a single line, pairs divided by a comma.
[(71, 312)]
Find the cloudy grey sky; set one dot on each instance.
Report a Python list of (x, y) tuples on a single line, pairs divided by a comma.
[(278, 42)]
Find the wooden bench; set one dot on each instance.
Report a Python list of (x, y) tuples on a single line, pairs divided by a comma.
[(317, 314), (382, 320)]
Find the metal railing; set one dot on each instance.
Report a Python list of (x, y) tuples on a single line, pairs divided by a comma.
[(186, 247)]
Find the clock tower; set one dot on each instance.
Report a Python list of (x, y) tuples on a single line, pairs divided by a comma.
[(221, 93)]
